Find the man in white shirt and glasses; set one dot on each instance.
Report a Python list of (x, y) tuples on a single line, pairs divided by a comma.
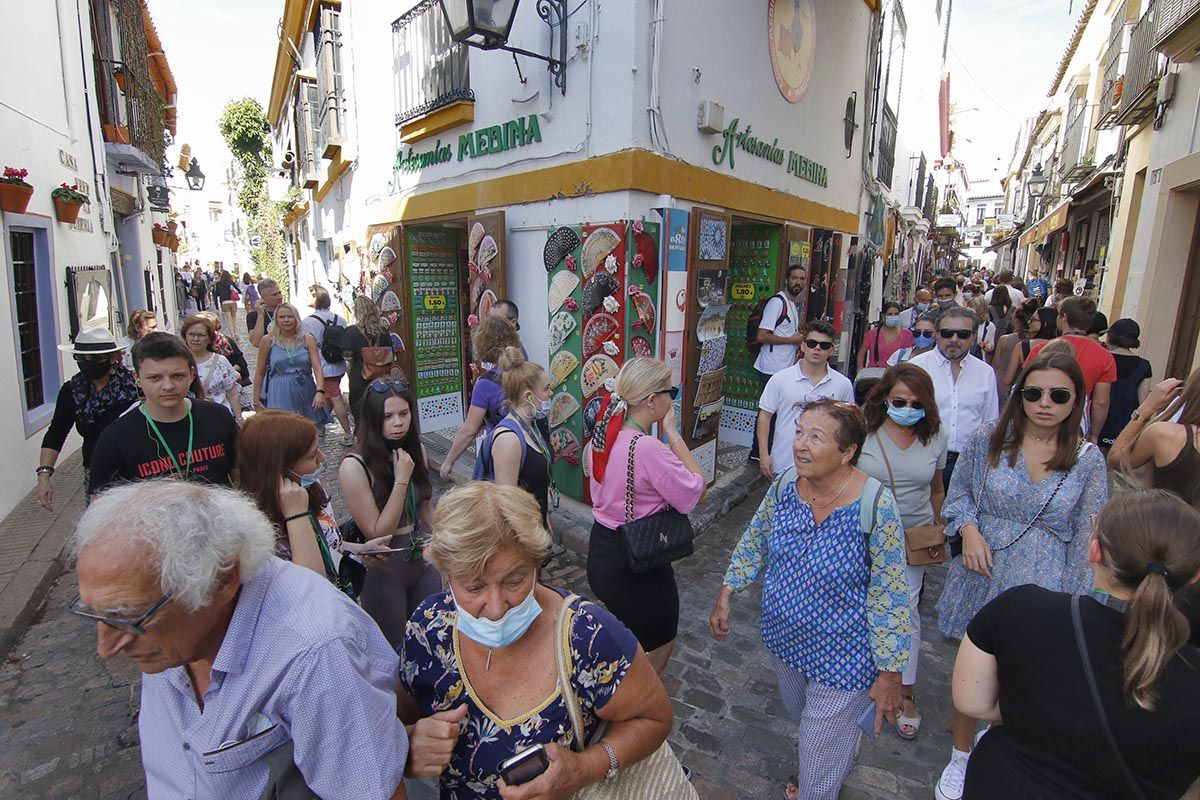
[(964, 386), (791, 389)]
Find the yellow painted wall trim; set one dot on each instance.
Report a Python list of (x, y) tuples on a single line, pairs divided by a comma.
[(335, 171), (628, 170), (295, 214), (872, 4), (442, 119), (294, 23)]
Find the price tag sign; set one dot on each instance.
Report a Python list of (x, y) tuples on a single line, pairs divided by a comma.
[(805, 249), (435, 302), (743, 291)]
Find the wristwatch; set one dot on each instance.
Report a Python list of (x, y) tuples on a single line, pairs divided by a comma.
[(44, 471), (611, 775), (1137, 414)]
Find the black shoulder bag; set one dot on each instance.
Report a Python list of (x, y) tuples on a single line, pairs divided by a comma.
[(1091, 682), (657, 540)]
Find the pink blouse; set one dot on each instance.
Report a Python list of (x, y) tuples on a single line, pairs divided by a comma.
[(659, 479)]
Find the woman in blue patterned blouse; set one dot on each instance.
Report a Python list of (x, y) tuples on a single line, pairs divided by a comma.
[(478, 672), (835, 610)]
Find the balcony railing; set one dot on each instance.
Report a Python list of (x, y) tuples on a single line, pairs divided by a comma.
[(1173, 15), (887, 146), (131, 110), (431, 69), (1141, 72), (1115, 61)]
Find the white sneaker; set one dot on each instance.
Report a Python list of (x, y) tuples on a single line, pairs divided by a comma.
[(950, 785)]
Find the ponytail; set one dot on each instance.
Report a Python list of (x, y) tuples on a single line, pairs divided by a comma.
[(1150, 548), (1155, 630)]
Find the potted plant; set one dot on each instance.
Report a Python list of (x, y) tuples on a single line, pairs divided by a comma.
[(117, 134), (159, 235), (15, 191), (119, 75), (68, 200)]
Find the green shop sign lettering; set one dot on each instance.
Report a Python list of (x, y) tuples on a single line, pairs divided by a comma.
[(745, 140), (485, 141)]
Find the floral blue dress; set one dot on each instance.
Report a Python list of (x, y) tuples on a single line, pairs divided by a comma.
[(830, 609), (1002, 501), (602, 651)]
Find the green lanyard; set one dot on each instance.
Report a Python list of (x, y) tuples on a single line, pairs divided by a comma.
[(536, 435), (635, 424), (183, 473), (331, 572)]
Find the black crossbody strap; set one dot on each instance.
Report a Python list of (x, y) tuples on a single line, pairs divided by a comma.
[(629, 479), (1091, 681)]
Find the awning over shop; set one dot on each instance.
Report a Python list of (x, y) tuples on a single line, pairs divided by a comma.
[(1047, 225), (1000, 244)]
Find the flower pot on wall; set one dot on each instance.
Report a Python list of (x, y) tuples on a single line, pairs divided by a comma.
[(117, 134), (14, 198), (66, 210), (159, 235), (120, 79)]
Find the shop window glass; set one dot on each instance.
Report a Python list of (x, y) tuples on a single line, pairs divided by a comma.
[(431, 69)]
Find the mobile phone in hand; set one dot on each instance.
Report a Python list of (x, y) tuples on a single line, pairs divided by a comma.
[(525, 766), (867, 721)]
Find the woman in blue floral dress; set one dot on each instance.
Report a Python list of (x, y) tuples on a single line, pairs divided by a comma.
[(1022, 498), (479, 661)]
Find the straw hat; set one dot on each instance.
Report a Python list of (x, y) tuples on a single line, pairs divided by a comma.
[(92, 342)]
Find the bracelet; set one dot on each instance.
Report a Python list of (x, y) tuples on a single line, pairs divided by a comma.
[(286, 520), (44, 470), (399, 483), (321, 391)]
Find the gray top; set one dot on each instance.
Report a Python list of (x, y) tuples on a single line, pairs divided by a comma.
[(913, 469)]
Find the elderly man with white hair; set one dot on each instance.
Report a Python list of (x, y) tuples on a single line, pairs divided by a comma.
[(259, 678)]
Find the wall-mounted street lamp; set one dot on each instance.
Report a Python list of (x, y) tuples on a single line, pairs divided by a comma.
[(486, 24), (195, 178), (1037, 183)]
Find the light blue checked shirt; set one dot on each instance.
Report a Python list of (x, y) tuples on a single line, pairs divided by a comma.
[(299, 662)]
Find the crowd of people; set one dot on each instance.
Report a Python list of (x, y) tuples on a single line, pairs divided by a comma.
[(985, 429)]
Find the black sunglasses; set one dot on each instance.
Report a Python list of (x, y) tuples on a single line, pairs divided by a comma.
[(900, 402), (135, 626), (673, 392), (813, 344), (950, 333), (1060, 397), (389, 386)]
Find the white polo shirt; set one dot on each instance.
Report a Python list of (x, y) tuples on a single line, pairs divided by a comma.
[(774, 357), (964, 404), (787, 394)]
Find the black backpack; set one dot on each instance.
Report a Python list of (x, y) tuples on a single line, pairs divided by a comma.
[(333, 340), (755, 322)]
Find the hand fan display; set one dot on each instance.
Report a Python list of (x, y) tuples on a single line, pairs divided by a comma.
[(596, 248), (600, 328), (387, 257), (561, 242), (561, 287), (645, 311), (561, 367), (389, 302), (378, 286), (473, 239), (486, 301), (487, 251), (564, 443), (561, 408), (596, 370), (598, 287), (562, 325), (647, 256), (591, 413), (641, 346)]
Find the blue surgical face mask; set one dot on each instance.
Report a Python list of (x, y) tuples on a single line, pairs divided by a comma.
[(892, 320), (923, 340), (501, 632), (309, 479), (905, 417), (922, 306), (541, 408)]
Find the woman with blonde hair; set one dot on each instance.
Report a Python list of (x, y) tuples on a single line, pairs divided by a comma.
[(481, 660), (369, 330), (492, 336), (288, 374), (517, 449), (141, 322), (663, 475), (1131, 727)]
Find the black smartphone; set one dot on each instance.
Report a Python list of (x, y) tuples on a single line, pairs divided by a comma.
[(525, 766)]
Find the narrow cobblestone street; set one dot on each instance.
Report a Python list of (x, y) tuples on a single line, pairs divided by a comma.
[(68, 720)]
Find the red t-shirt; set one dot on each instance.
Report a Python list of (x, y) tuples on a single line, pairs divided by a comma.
[(886, 348), (1097, 364)]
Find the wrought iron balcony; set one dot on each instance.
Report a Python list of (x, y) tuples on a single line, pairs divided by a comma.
[(1142, 72), (886, 163), (131, 108), (1177, 29), (432, 70), (1116, 58)]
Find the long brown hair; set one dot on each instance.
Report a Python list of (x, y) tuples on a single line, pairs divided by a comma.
[(373, 449), (919, 383), (1142, 535), (1010, 430), (1188, 400), (270, 443)]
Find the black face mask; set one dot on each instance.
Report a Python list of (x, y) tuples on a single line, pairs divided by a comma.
[(394, 444), (94, 370)]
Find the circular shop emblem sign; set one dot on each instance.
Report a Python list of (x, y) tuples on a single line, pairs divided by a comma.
[(792, 30)]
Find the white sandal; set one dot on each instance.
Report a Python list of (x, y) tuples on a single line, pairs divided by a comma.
[(908, 722)]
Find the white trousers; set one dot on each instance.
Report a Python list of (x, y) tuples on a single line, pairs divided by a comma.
[(915, 577)]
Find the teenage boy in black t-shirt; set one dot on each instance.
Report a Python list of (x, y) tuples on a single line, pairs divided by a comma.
[(169, 435)]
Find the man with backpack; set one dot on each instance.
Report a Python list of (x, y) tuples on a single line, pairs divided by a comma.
[(772, 336), (329, 330)]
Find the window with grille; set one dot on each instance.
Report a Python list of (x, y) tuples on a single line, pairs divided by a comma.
[(431, 69), (331, 106), (29, 330), (308, 123)]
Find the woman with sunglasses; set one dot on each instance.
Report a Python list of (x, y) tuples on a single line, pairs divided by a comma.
[(386, 484), (1021, 500), (1043, 324), (89, 400), (905, 450), (663, 475), (924, 339), (519, 453), (288, 375)]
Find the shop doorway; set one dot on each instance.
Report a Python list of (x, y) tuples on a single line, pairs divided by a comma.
[(1187, 319)]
